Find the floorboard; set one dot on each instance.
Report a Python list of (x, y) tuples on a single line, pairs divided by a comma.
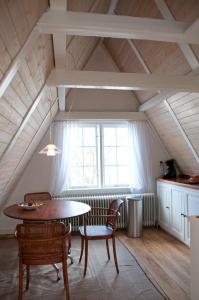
[(164, 259)]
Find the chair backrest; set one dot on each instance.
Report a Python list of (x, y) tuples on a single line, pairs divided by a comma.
[(114, 208), (37, 197), (41, 244)]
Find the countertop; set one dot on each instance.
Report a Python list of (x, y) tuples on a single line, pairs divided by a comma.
[(180, 182)]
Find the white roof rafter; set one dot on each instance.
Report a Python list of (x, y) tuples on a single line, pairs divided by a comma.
[(86, 24), (122, 81)]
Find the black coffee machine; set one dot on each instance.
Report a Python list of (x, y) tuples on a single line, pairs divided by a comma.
[(170, 169)]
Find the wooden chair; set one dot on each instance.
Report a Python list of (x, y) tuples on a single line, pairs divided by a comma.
[(100, 232), (42, 244)]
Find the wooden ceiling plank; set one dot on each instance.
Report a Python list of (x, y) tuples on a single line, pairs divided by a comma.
[(16, 63), (24, 121), (122, 81), (185, 136), (185, 48), (59, 45), (86, 24)]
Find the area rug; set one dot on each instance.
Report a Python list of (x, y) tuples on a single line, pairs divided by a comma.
[(101, 281)]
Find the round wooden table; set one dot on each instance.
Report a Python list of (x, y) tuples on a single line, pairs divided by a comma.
[(51, 210)]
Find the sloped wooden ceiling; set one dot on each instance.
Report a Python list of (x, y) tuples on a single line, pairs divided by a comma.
[(17, 19), (25, 104), (164, 58)]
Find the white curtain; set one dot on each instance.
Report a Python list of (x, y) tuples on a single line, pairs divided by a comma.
[(62, 133), (140, 157)]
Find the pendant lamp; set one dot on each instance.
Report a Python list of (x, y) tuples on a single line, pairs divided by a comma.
[(50, 149)]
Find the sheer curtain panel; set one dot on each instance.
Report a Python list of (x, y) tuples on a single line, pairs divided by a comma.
[(141, 157), (62, 132)]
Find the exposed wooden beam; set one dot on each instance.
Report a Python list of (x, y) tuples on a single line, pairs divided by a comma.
[(182, 131), (59, 45), (122, 81), (86, 24), (93, 115), (185, 48), (16, 63), (155, 100), (24, 121)]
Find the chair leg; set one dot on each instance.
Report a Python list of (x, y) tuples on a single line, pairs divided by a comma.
[(20, 280), (114, 254), (86, 256), (27, 277), (82, 249), (107, 248), (65, 275), (55, 266)]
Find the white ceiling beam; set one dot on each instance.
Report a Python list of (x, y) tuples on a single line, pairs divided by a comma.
[(87, 24), (122, 81), (185, 48), (59, 45), (105, 115), (157, 99), (193, 29), (18, 60)]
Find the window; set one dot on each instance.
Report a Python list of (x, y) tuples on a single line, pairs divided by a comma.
[(100, 156)]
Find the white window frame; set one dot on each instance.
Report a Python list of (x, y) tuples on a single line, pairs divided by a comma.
[(100, 155)]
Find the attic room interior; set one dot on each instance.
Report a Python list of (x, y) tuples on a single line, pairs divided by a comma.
[(99, 149)]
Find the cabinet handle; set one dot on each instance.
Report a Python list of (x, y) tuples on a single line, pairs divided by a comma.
[(185, 216), (167, 207)]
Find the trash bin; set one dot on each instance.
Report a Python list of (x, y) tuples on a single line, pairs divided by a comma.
[(134, 217)]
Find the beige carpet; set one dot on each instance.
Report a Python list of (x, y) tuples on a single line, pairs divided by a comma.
[(100, 283)]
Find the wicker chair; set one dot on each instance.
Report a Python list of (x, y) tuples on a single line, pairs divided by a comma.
[(99, 232), (44, 197), (42, 244), (37, 197)]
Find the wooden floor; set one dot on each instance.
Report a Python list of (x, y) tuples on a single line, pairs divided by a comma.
[(164, 259)]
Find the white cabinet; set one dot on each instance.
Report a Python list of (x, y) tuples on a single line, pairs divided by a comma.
[(164, 193), (178, 199), (175, 205)]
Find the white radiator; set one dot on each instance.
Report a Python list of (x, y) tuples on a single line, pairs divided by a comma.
[(103, 200)]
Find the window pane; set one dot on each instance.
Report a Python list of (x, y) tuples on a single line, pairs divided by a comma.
[(109, 156), (77, 157), (89, 136), (76, 176), (109, 136), (90, 177), (89, 156), (110, 176), (123, 175), (78, 136), (122, 136), (122, 156)]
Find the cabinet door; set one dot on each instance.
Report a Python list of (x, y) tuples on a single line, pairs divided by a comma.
[(164, 197), (177, 224), (192, 209)]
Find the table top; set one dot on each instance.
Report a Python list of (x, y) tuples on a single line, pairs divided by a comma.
[(51, 210)]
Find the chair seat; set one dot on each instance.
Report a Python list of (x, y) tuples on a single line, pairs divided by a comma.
[(96, 230)]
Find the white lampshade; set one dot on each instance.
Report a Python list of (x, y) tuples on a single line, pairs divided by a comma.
[(50, 150)]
